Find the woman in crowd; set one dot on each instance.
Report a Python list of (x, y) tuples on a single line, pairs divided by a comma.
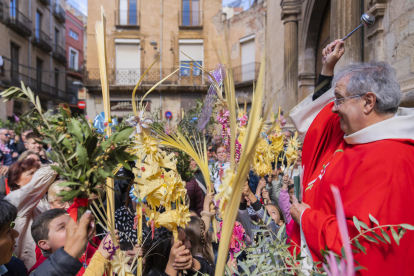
[(28, 185)]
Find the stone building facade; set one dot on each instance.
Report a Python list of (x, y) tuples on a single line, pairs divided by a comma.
[(298, 30), (32, 47), (137, 33), (246, 42)]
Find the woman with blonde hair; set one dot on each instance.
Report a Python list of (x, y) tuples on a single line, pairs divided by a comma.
[(53, 197), (28, 154)]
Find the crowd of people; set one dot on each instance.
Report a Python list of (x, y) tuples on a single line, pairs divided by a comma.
[(38, 237), (36, 223)]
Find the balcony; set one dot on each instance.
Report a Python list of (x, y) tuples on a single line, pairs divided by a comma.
[(127, 19), (190, 20), (42, 40), (59, 54), (45, 2), (59, 13), (18, 22), (130, 77), (246, 73)]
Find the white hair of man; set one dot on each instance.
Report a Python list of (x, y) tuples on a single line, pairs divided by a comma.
[(376, 76)]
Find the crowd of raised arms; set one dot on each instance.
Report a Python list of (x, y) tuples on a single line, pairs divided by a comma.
[(39, 237)]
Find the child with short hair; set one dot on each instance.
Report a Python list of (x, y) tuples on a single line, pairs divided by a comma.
[(49, 233)]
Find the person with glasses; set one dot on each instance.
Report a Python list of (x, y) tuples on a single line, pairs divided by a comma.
[(4, 140), (358, 139)]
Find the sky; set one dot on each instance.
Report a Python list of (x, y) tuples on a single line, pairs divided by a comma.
[(82, 5)]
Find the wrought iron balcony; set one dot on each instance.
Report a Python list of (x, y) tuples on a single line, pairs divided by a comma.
[(60, 13), (130, 77), (18, 22), (190, 19), (42, 40), (59, 54), (127, 19), (45, 2), (247, 72)]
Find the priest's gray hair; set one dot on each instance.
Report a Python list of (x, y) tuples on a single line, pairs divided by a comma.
[(377, 77)]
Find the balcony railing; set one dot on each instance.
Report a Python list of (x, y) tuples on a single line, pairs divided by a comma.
[(18, 22), (59, 13), (130, 77), (247, 72), (127, 18), (190, 19), (42, 40), (59, 54), (14, 73), (45, 2)]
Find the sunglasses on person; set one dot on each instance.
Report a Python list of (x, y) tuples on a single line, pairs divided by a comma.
[(7, 134)]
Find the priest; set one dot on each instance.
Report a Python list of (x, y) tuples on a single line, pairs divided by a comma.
[(357, 138)]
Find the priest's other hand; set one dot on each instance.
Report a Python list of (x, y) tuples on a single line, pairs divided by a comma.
[(297, 209), (331, 55)]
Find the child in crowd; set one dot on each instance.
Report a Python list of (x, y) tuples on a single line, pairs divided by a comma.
[(285, 201), (49, 233), (201, 248), (275, 213), (164, 256)]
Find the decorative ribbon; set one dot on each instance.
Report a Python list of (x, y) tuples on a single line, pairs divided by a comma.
[(109, 246), (139, 122), (134, 195), (100, 124), (73, 209)]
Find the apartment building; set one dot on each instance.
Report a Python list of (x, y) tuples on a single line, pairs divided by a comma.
[(75, 54), (137, 33), (33, 51), (246, 39)]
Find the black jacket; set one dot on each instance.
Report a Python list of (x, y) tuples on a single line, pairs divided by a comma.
[(59, 263), (15, 267)]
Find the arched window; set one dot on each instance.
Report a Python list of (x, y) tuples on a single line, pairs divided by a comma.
[(323, 38)]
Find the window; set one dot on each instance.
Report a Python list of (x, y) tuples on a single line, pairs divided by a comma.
[(56, 80), (38, 24), (73, 58), (190, 13), (128, 12), (56, 39), (14, 54), (39, 68), (73, 34), (192, 48), (13, 8), (128, 61), (248, 58)]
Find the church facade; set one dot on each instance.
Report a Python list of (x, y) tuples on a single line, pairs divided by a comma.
[(298, 30)]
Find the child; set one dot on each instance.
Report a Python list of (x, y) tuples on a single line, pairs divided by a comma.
[(49, 233), (164, 256), (201, 248), (285, 201), (275, 213)]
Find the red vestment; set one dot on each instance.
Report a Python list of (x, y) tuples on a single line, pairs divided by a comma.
[(374, 178)]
